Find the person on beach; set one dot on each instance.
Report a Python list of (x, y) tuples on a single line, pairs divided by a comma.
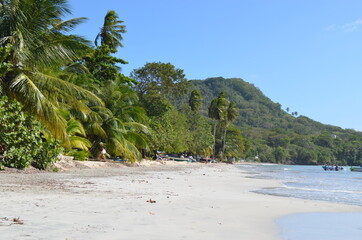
[(102, 153)]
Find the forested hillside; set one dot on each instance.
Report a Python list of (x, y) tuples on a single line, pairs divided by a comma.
[(279, 136)]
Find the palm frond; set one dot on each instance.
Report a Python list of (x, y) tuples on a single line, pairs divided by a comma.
[(75, 127), (67, 26), (48, 82), (80, 142), (27, 93)]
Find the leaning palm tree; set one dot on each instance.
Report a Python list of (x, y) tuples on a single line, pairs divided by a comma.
[(122, 121), (37, 38), (111, 32), (121, 138)]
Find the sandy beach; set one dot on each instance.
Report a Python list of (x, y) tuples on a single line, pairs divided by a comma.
[(153, 200)]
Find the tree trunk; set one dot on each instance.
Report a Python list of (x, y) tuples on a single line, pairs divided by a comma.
[(224, 140), (214, 150)]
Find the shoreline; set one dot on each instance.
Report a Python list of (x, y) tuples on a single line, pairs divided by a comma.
[(150, 201)]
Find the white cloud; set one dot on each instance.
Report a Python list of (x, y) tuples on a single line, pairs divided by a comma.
[(348, 27)]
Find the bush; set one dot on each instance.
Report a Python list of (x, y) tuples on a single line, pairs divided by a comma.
[(79, 155), (46, 155), (21, 138)]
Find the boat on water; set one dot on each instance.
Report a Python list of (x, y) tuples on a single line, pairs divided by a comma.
[(332, 168), (356, 169)]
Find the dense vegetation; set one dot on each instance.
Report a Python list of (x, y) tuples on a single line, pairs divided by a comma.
[(62, 93), (282, 137)]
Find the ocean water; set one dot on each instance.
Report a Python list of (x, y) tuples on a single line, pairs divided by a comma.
[(311, 182), (321, 226)]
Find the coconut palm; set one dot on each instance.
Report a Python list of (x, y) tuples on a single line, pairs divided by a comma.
[(36, 35), (111, 32), (120, 138), (195, 100), (232, 113), (218, 112), (122, 121)]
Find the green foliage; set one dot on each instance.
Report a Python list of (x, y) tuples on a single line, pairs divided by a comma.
[(195, 100), (5, 66), (47, 154), (169, 132), (200, 139), (163, 78), (275, 135), (155, 104), (21, 139), (40, 46), (79, 155), (111, 32), (236, 145), (103, 66)]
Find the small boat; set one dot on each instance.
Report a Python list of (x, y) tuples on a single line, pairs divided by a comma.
[(181, 159), (332, 168), (356, 169)]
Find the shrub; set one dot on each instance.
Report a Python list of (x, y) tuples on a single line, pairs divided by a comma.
[(47, 154), (21, 139)]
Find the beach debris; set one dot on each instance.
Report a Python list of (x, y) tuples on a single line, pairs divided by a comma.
[(151, 201), (152, 213), (4, 221), (17, 221)]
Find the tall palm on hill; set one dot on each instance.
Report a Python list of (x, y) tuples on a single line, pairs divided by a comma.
[(34, 32)]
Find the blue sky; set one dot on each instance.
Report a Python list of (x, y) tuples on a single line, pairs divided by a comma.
[(304, 54)]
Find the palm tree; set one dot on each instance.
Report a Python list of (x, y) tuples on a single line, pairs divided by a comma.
[(120, 123), (218, 112), (111, 32), (36, 36), (195, 100), (232, 114)]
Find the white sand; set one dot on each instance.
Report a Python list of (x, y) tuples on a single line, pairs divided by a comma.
[(193, 201)]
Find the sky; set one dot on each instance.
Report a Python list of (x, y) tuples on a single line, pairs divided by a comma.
[(304, 54)]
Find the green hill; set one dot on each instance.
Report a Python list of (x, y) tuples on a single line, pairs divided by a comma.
[(278, 136)]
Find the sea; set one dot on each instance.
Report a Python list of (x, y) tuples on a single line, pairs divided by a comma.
[(312, 182)]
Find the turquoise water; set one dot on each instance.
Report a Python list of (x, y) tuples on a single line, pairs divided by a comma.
[(311, 182)]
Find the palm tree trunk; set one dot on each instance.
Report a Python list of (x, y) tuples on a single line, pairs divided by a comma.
[(214, 150), (224, 140)]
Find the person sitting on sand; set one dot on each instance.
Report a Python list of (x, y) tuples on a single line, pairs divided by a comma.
[(102, 153)]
